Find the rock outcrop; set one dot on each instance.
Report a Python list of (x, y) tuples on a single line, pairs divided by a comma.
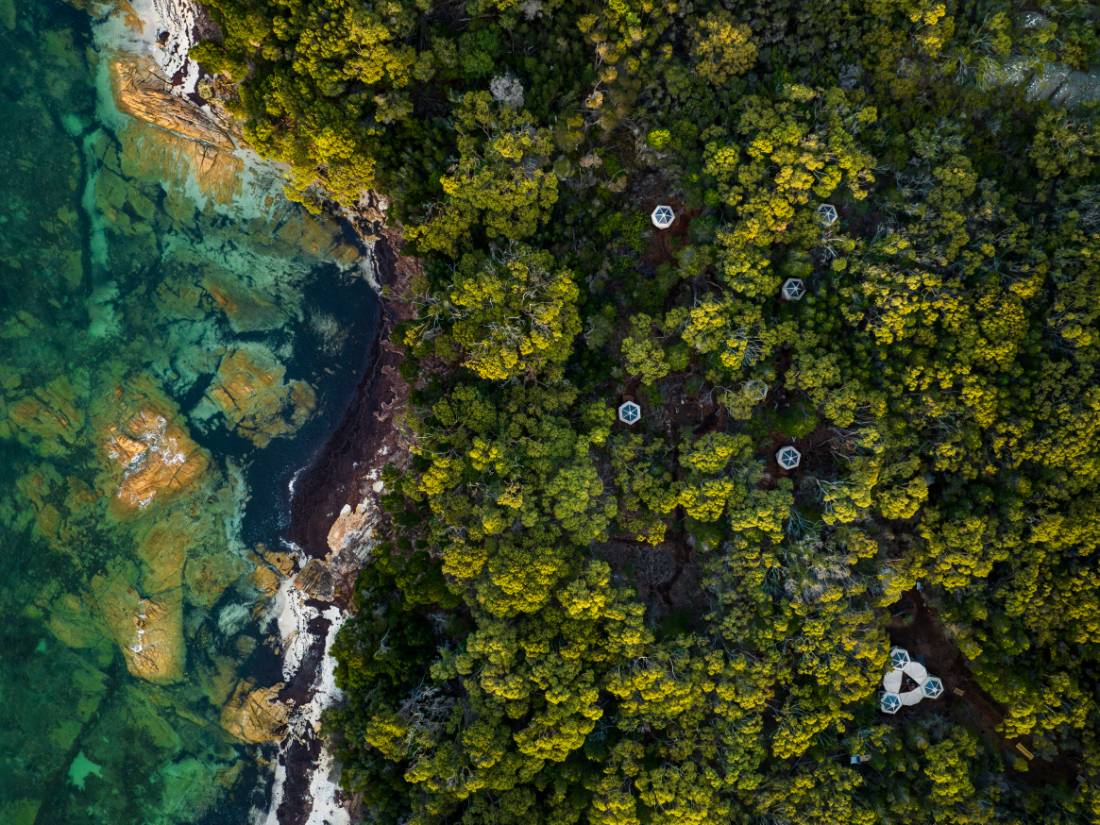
[(148, 631), (255, 715), (144, 93), (154, 458), (316, 580), (350, 526), (250, 392)]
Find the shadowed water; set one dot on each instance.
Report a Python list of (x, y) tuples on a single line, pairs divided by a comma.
[(173, 345)]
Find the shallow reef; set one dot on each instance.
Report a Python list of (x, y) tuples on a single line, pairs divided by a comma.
[(161, 337)]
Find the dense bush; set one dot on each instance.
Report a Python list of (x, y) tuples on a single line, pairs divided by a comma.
[(578, 621)]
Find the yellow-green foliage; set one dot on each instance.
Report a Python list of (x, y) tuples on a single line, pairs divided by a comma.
[(575, 620)]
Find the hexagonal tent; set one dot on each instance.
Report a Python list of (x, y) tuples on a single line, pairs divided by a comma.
[(890, 703), (629, 412), (932, 687), (788, 457), (663, 216), (793, 289), (826, 213), (755, 389), (899, 657)]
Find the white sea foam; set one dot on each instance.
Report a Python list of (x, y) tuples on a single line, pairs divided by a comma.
[(169, 29), (232, 618), (292, 615), (326, 807), (294, 481)]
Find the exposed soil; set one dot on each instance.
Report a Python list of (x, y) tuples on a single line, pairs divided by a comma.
[(664, 243), (665, 576)]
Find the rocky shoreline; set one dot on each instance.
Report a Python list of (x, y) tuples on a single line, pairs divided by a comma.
[(334, 502), (334, 515)]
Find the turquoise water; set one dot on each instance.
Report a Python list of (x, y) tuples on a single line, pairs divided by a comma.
[(171, 351)]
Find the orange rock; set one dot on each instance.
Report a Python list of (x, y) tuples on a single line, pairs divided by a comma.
[(282, 561), (350, 526), (255, 716), (40, 488), (130, 16), (271, 567), (246, 309), (156, 651), (156, 458), (142, 92), (265, 580), (163, 552), (148, 631)]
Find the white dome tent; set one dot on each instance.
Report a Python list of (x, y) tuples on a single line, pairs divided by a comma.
[(902, 666), (793, 289), (629, 413), (788, 457), (899, 657), (826, 213), (755, 389), (663, 216)]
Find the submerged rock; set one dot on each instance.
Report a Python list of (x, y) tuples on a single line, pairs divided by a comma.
[(75, 626), (8, 15), (148, 631), (188, 788), (37, 742), (20, 811), (217, 679), (255, 715), (208, 574), (250, 393), (47, 418), (153, 457), (246, 308), (41, 488), (163, 552)]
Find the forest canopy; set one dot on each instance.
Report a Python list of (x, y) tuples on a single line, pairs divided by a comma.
[(572, 619)]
